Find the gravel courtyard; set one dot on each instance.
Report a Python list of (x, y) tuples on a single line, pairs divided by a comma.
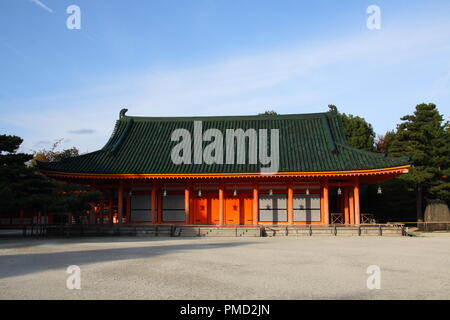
[(227, 268)]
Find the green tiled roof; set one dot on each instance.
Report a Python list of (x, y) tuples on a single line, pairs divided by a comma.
[(142, 145)]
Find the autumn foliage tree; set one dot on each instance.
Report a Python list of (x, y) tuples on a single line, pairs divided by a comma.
[(383, 142), (52, 154)]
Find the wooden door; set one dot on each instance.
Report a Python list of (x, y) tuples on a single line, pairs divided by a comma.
[(246, 203), (213, 207), (232, 210), (200, 208)]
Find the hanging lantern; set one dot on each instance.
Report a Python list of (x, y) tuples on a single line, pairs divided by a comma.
[(130, 193), (234, 193), (379, 191), (270, 192), (307, 191), (164, 193), (200, 193), (339, 191)]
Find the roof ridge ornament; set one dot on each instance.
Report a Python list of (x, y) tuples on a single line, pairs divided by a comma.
[(332, 109), (122, 113)]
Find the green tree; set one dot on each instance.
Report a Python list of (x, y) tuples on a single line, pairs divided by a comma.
[(268, 113), (424, 138), (358, 132), (73, 198), (441, 187), (68, 197), (21, 187)]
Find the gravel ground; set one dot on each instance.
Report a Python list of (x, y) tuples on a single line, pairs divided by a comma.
[(227, 268)]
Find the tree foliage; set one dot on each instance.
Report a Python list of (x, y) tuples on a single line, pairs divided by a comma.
[(424, 137), (22, 187), (358, 132), (47, 155), (268, 113), (383, 142)]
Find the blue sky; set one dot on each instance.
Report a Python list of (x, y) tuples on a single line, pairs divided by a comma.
[(207, 57)]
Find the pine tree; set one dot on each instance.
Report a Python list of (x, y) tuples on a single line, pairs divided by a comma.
[(21, 187), (67, 197), (424, 138)]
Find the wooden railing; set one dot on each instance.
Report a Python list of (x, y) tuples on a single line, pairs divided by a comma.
[(337, 218)]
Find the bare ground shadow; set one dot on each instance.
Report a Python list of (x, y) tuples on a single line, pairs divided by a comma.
[(22, 264)]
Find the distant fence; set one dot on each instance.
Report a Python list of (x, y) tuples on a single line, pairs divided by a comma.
[(32, 230), (427, 225), (170, 230), (26, 220)]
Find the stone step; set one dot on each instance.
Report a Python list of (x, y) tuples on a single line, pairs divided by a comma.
[(221, 231), (331, 231), (205, 231)]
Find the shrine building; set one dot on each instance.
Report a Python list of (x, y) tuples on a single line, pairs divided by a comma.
[(293, 169)]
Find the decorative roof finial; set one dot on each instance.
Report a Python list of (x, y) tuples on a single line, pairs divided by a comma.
[(332, 108), (122, 113)]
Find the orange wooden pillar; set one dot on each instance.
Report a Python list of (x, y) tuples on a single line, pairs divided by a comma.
[(357, 208), (154, 213), (322, 214), (186, 203), (290, 204), (120, 203), (255, 204), (346, 208), (221, 204), (326, 204), (351, 206)]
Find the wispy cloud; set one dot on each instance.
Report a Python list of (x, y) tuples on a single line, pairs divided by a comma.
[(42, 143), (43, 6), (82, 131), (294, 79)]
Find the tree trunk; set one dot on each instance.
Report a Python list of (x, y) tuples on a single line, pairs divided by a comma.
[(419, 211)]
